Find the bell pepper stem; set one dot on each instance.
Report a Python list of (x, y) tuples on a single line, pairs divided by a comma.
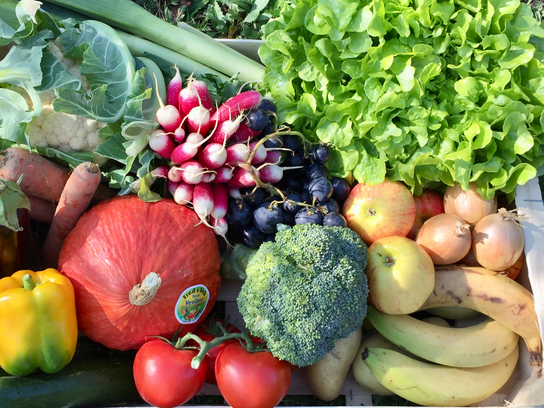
[(28, 282)]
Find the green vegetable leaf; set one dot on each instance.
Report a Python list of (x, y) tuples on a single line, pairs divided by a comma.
[(430, 93), (106, 63), (12, 199)]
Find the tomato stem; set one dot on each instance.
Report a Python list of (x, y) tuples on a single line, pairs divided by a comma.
[(206, 346)]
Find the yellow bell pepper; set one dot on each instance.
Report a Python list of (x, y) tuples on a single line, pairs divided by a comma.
[(38, 324)]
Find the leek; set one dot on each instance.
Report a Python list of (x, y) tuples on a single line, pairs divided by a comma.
[(128, 16), (138, 46), (141, 48)]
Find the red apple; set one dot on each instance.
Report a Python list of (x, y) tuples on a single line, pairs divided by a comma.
[(400, 275), (382, 210), (428, 204)]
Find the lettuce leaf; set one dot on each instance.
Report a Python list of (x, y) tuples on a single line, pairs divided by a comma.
[(429, 93)]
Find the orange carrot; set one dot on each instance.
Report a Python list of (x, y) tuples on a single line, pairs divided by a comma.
[(41, 177), (40, 209), (74, 200)]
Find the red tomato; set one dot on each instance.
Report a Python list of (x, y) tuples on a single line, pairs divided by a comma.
[(251, 380), (163, 374), (212, 354)]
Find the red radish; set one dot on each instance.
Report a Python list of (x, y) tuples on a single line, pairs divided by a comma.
[(161, 143), (198, 120), (192, 172), (160, 172), (220, 201), (233, 192), (184, 193), (235, 105), (171, 186), (273, 157), (223, 174), (237, 153), (224, 130), (260, 154), (272, 173), (179, 134), (208, 177), (203, 200), (174, 87), (175, 174), (167, 116), (213, 156), (203, 94), (243, 134), (241, 178), (187, 150), (188, 99), (220, 226)]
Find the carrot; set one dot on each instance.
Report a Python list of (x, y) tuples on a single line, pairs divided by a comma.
[(40, 209), (41, 177), (75, 199)]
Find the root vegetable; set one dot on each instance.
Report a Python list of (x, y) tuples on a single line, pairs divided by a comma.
[(75, 198), (469, 205), (446, 238), (497, 240)]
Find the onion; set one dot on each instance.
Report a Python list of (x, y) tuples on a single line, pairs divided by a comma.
[(469, 205), (445, 237), (497, 240)]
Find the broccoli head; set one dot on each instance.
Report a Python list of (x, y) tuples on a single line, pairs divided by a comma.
[(305, 291)]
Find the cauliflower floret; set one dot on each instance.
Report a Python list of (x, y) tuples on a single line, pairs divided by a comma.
[(64, 131)]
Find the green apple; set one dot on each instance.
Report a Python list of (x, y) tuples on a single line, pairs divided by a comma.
[(400, 275)]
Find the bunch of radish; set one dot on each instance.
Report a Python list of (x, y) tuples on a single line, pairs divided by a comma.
[(212, 152)]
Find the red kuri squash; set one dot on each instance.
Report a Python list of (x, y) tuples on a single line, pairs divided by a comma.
[(130, 261)]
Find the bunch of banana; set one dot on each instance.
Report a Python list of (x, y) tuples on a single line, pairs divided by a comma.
[(437, 365)]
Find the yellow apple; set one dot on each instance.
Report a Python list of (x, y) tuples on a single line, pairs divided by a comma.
[(400, 275)]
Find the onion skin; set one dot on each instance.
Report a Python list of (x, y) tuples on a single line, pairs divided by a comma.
[(497, 241), (446, 238), (469, 205)]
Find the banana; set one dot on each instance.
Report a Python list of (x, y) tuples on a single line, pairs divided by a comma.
[(494, 295), (474, 346), (437, 385), (361, 372), (454, 313)]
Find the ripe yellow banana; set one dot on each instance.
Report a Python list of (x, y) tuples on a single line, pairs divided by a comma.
[(494, 295), (437, 385), (474, 346)]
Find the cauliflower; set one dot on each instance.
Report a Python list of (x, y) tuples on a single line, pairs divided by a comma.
[(64, 131)]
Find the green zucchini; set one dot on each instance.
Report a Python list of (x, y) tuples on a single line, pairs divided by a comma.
[(95, 377)]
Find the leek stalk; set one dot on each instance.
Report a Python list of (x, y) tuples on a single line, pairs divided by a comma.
[(139, 47), (128, 16)]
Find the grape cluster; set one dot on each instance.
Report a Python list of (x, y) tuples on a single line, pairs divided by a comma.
[(311, 196)]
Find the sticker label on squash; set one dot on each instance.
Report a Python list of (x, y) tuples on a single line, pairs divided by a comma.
[(191, 304)]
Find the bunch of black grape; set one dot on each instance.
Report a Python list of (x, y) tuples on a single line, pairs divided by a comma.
[(310, 195)]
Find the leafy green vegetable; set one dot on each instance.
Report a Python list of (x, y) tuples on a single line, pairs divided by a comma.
[(12, 199), (424, 92)]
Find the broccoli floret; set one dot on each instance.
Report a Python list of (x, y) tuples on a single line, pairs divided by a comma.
[(305, 290)]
